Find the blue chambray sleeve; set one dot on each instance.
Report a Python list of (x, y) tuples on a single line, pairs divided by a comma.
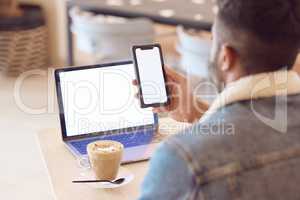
[(168, 177)]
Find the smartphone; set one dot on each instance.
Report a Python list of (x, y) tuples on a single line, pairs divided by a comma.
[(151, 75)]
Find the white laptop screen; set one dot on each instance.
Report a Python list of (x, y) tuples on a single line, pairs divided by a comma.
[(101, 99)]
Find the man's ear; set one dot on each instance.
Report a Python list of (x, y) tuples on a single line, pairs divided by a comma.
[(228, 58)]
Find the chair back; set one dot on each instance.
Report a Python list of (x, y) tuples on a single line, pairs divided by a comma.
[(110, 37), (194, 52)]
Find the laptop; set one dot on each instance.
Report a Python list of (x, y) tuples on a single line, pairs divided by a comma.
[(98, 103)]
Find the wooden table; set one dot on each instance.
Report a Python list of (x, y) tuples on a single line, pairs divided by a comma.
[(196, 14), (63, 168)]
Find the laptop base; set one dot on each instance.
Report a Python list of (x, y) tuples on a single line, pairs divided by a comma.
[(137, 146)]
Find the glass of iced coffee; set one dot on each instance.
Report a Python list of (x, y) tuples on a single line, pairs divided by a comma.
[(105, 158)]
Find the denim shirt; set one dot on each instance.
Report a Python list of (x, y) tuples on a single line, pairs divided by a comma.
[(233, 154)]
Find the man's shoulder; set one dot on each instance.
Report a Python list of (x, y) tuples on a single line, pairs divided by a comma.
[(231, 133), (223, 137), (222, 128)]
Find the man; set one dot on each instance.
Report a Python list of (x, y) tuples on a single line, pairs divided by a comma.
[(247, 145)]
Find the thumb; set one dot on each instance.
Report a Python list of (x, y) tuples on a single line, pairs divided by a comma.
[(173, 74)]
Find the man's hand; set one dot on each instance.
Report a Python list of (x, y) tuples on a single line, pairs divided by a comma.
[(184, 106)]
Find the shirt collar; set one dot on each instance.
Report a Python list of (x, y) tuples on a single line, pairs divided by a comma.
[(257, 86)]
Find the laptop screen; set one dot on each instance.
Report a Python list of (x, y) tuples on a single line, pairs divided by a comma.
[(101, 99)]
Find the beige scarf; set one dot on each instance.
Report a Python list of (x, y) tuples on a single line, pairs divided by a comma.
[(258, 86)]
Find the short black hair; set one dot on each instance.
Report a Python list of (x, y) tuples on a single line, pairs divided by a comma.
[(272, 29)]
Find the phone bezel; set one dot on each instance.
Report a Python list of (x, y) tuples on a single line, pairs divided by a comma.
[(147, 47)]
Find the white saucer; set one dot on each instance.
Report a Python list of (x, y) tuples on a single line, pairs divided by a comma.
[(89, 175)]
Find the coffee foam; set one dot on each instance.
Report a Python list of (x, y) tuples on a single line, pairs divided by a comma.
[(107, 147)]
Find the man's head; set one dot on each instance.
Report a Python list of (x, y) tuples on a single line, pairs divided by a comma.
[(254, 36)]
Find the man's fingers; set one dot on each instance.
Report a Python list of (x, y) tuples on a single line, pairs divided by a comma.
[(135, 82), (156, 110), (160, 110), (173, 74)]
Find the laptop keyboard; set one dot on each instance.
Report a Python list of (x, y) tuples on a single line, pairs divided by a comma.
[(127, 139)]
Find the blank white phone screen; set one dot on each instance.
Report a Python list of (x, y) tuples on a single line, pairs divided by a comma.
[(101, 99), (152, 79)]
